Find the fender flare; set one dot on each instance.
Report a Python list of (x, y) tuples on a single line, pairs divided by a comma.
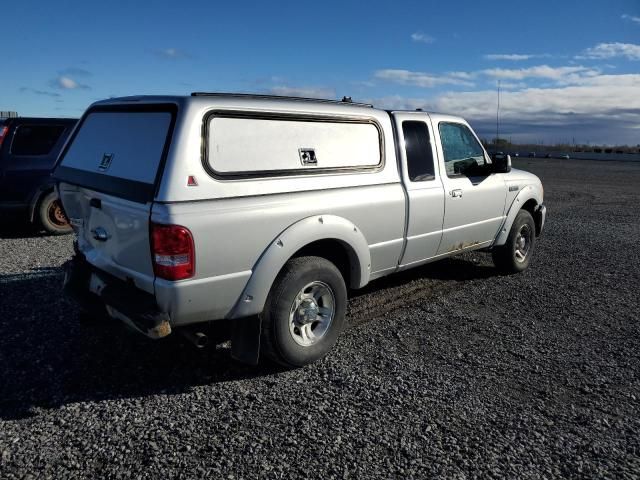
[(527, 193), (285, 245), (37, 194)]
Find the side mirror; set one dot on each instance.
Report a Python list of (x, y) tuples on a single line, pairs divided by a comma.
[(501, 163)]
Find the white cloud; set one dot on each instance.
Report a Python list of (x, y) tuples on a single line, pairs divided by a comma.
[(631, 18), (425, 80), (600, 95), (513, 85), (560, 74), (602, 109), (398, 102), (507, 56), (65, 82), (612, 50), (461, 75), (515, 57), (308, 92), (422, 38)]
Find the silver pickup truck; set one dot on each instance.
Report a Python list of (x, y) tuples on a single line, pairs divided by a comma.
[(260, 213)]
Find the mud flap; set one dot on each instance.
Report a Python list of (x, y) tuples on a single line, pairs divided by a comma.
[(245, 339), (539, 218)]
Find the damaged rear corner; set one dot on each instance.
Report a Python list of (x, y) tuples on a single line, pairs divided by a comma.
[(99, 293)]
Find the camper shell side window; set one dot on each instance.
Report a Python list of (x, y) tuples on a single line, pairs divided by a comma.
[(239, 145)]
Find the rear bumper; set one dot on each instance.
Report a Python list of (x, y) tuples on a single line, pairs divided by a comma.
[(97, 291)]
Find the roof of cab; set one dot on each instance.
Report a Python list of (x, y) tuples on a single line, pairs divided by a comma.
[(42, 120)]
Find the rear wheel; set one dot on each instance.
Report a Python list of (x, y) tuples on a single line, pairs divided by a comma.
[(515, 255), (51, 215), (304, 313)]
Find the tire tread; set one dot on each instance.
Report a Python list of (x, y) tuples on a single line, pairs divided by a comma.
[(268, 343), (503, 255), (43, 219)]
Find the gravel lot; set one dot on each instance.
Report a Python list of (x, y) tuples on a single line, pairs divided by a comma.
[(448, 371)]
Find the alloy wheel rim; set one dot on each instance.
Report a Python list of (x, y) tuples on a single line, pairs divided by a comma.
[(523, 243), (311, 313), (56, 214)]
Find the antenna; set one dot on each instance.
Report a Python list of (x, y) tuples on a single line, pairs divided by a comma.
[(498, 116)]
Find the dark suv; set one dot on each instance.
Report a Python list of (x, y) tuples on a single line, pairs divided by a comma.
[(28, 151)]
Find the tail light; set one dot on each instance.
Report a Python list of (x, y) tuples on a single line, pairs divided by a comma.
[(173, 252), (3, 134)]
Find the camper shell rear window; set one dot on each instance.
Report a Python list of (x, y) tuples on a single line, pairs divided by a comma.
[(119, 150), (240, 145)]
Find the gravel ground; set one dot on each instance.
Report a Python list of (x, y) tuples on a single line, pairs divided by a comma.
[(448, 371)]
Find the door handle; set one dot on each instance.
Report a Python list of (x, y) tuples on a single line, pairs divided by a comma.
[(100, 234), (456, 193)]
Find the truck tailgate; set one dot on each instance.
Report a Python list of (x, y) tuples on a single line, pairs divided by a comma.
[(112, 233)]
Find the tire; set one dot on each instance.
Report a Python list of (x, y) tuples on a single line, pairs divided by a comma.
[(304, 312), (515, 255), (51, 216)]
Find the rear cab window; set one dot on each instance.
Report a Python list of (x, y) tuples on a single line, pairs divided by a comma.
[(420, 166), (119, 150)]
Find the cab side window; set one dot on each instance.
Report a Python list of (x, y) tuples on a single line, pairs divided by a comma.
[(420, 165), (463, 154)]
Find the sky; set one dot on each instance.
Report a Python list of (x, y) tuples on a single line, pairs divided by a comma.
[(568, 71)]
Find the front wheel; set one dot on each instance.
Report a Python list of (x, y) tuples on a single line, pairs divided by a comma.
[(515, 255), (51, 215), (304, 313)]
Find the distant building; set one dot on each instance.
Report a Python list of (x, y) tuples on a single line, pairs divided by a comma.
[(8, 114)]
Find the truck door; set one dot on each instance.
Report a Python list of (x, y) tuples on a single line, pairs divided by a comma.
[(423, 186), (474, 198)]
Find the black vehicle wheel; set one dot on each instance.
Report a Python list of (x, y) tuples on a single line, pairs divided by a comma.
[(304, 313), (51, 215), (515, 255)]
